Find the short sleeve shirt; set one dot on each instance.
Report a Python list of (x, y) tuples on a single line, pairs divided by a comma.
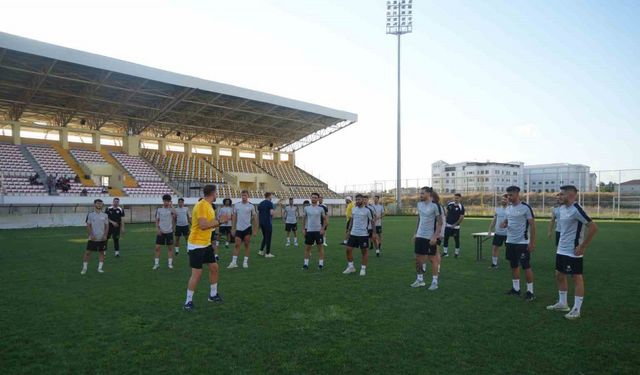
[(454, 211), (225, 210), (379, 210), (182, 216), (244, 213), (361, 218), (428, 213), (501, 215), (349, 209), (373, 214), (518, 223), (556, 214), (314, 217), (115, 213), (199, 238), (291, 214), (572, 221), (98, 220), (326, 211), (165, 217)]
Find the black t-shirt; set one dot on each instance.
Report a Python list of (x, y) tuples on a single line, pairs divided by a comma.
[(454, 211), (326, 212), (115, 214)]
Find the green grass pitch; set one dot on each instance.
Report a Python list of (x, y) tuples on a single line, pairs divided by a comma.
[(279, 319)]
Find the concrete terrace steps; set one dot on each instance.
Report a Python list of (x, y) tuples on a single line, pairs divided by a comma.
[(34, 164), (73, 164), (129, 181)]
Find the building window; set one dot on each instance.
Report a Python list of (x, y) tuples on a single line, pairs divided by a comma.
[(202, 150), (176, 147), (110, 141), (149, 145), (269, 156), (247, 154)]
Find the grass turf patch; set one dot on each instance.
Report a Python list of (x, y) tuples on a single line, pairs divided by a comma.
[(277, 318)]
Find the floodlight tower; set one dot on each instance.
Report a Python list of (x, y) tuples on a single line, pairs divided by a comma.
[(399, 21)]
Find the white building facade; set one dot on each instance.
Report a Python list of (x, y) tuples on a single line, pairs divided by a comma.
[(475, 177), (548, 178), (630, 187)]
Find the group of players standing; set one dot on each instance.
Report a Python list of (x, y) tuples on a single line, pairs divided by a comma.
[(513, 225)]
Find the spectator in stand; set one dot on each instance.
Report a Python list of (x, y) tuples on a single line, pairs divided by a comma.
[(84, 193), (50, 183), (76, 179)]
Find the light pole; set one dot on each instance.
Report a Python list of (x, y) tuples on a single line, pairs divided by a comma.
[(399, 21)]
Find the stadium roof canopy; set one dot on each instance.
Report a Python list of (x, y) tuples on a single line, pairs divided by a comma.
[(67, 87)]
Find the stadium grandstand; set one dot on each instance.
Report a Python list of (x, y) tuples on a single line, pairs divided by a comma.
[(75, 125)]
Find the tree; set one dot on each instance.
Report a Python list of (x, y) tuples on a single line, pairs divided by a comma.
[(609, 187)]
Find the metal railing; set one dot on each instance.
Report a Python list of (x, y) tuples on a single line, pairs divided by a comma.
[(604, 194)]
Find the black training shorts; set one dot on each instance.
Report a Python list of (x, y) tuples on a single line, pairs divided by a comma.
[(499, 240), (164, 239), (361, 242), (423, 247), (568, 265), (311, 238), (291, 227), (96, 245), (182, 230), (200, 256), (518, 253), (241, 234)]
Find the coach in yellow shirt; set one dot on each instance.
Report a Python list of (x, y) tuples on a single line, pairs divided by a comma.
[(200, 249), (349, 203)]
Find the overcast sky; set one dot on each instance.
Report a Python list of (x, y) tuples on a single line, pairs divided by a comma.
[(538, 82)]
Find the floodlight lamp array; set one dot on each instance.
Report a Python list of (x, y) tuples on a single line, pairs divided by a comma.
[(399, 16)]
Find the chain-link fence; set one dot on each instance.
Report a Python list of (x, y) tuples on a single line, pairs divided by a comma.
[(604, 194)]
